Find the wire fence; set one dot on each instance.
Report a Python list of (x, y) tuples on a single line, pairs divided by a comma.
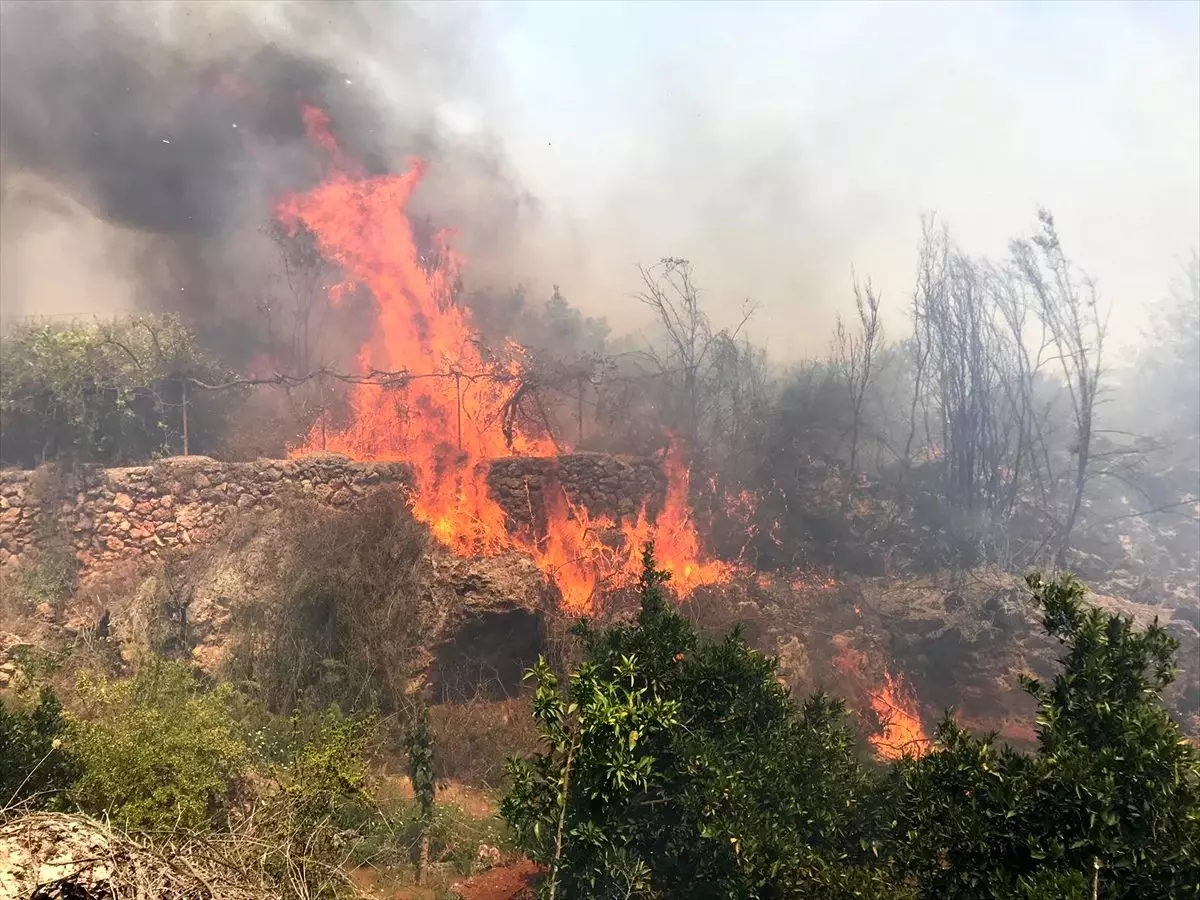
[(563, 401)]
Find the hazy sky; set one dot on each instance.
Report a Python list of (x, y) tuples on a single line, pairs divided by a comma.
[(778, 144)]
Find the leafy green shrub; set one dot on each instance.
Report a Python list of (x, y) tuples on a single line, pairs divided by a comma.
[(1116, 786), (676, 768), (1112, 794), (318, 771), (99, 391), (680, 768), (51, 576), (35, 768), (157, 751)]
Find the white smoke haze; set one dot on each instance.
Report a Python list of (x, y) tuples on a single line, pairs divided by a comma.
[(775, 145)]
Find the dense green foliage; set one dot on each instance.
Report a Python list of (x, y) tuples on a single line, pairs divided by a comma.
[(100, 391), (34, 766), (156, 750), (168, 755), (419, 742), (681, 768), (678, 768)]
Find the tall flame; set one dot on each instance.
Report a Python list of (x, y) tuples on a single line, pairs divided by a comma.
[(900, 730), (444, 416), (896, 708)]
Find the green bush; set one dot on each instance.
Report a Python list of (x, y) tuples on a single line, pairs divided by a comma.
[(318, 771), (1111, 794), (157, 751), (676, 768), (35, 768), (101, 391), (681, 768)]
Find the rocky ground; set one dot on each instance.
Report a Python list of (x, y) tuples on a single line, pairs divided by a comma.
[(959, 639)]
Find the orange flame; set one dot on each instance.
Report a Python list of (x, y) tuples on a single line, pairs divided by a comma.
[(676, 543), (444, 417), (894, 705), (896, 708)]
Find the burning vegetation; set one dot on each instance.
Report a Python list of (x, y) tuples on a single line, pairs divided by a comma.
[(859, 519), (447, 408)]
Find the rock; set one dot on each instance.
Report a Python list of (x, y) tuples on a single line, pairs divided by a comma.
[(188, 516), (123, 502)]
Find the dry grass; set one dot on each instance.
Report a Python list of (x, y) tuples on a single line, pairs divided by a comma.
[(474, 740), (52, 856)]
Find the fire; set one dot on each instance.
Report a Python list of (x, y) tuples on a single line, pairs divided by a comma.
[(893, 703), (676, 543), (896, 708), (444, 414)]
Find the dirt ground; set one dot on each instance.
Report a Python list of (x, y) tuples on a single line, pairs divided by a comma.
[(515, 882)]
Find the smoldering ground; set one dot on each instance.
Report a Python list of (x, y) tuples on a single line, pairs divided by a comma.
[(143, 146)]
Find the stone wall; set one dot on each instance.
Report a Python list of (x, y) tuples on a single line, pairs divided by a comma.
[(113, 514), (604, 485)]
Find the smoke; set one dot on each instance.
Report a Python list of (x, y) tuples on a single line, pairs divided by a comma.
[(779, 145), (143, 146), (776, 146)]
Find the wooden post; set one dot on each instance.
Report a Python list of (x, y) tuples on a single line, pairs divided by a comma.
[(458, 395), (184, 404), (580, 408), (324, 416)]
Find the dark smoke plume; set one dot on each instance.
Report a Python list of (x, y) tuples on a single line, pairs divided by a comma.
[(178, 126)]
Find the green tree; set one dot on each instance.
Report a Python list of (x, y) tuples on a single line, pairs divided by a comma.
[(419, 742), (1115, 785), (99, 391), (35, 768), (680, 768), (1111, 796)]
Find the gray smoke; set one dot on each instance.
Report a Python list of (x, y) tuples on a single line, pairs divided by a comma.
[(143, 146)]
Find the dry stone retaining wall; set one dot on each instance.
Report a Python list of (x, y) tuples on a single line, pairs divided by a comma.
[(113, 514), (604, 485)]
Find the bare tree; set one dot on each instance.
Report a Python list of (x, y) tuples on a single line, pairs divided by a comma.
[(693, 353), (964, 361), (852, 355), (1074, 325)]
